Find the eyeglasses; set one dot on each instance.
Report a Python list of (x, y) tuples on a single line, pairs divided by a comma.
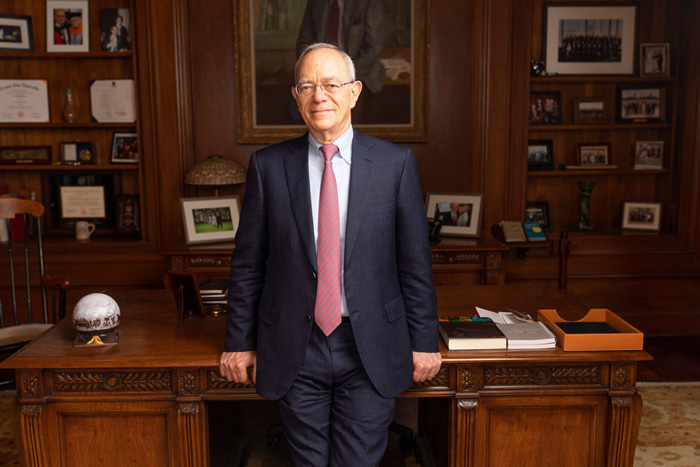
[(330, 87)]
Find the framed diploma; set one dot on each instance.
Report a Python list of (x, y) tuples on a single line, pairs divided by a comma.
[(24, 100), (73, 196), (112, 100), (67, 26), (16, 33)]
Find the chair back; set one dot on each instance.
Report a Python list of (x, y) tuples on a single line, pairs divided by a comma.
[(30, 211)]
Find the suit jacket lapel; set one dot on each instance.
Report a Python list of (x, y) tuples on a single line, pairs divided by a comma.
[(297, 172), (361, 179)]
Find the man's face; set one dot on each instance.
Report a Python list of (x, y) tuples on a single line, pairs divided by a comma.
[(461, 209), (75, 21), (326, 115), (454, 206), (59, 16)]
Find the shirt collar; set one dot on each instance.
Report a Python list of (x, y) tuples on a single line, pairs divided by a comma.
[(344, 143)]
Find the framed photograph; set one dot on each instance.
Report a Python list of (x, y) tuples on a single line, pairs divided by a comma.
[(127, 216), (66, 202), (641, 104), (186, 293), (591, 111), (648, 155), (210, 220), (393, 66), (79, 152), (16, 34), (125, 148), (641, 216), (540, 155), (595, 39), (24, 101), (458, 213), (115, 24), (545, 108), (655, 59), (12, 155), (67, 26), (590, 154), (538, 211)]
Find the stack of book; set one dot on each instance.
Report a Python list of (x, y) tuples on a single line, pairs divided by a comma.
[(471, 333), (521, 331), (213, 291)]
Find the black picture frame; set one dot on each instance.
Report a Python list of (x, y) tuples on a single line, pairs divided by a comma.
[(540, 155), (538, 211), (640, 103), (16, 33), (78, 152), (545, 108), (25, 155)]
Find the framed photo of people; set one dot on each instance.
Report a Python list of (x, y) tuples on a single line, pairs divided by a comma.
[(648, 155), (210, 220), (593, 155), (540, 155), (115, 28), (595, 39), (545, 108), (67, 26), (459, 214), (538, 211), (655, 59), (591, 111), (641, 216), (125, 148), (16, 34), (644, 103)]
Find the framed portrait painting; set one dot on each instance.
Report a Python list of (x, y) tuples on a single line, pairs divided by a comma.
[(595, 39), (459, 214), (16, 34), (388, 42), (67, 26), (641, 216), (210, 220)]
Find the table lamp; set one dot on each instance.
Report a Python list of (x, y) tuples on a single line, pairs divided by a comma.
[(215, 171)]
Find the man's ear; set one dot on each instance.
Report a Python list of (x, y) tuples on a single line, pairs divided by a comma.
[(356, 89)]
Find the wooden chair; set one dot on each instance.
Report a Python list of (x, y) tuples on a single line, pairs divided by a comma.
[(15, 333)]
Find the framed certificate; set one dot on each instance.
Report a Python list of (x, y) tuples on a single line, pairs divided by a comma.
[(112, 100), (83, 202), (24, 100)]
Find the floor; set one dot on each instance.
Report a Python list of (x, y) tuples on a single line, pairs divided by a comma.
[(676, 358)]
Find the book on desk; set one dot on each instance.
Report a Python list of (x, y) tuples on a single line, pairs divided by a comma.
[(471, 333)]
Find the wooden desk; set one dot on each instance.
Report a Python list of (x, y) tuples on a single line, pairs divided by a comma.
[(456, 261), (144, 401)]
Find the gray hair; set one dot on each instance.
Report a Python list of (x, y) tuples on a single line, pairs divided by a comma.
[(323, 45)]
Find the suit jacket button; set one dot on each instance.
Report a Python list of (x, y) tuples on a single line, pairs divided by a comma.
[(308, 318), (313, 274)]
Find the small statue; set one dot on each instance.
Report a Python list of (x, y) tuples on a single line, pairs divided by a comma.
[(537, 68)]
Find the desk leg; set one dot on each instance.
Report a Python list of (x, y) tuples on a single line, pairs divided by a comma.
[(192, 428), (29, 420), (465, 430), (625, 418)]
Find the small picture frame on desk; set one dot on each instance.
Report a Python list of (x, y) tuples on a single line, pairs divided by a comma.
[(25, 155), (459, 214), (641, 216), (210, 220), (538, 211), (67, 26), (79, 152), (655, 59), (16, 34), (186, 293), (540, 155), (125, 148)]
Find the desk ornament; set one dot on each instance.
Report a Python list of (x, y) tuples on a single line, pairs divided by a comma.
[(96, 317)]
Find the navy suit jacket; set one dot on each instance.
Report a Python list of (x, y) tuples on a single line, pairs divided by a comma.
[(388, 284)]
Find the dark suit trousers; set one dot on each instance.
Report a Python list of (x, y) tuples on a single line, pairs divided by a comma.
[(332, 415)]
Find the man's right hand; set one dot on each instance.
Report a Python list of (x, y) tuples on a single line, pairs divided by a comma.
[(234, 366)]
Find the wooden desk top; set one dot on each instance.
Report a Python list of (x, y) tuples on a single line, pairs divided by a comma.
[(151, 336)]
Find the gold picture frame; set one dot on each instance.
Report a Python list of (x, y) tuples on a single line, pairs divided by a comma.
[(264, 60)]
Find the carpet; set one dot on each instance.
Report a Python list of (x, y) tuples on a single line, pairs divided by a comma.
[(669, 434)]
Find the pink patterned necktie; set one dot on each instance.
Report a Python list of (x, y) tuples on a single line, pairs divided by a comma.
[(327, 311)]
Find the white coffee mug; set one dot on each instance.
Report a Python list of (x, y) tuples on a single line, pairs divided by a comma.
[(83, 230)]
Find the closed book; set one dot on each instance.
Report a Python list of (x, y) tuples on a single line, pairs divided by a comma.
[(465, 333), (513, 231), (533, 335), (534, 232), (213, 286)]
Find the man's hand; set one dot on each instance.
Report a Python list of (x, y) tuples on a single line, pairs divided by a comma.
[(234, 366), (425, 365)]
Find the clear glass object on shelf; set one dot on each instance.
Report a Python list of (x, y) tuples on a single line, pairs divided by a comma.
[(70, 112)]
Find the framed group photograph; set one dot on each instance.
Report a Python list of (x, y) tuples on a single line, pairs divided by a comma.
[(641, 216), (538, 211), (458, 213), (16, 34), (14, 155), (210, 220), (596, 39), (645, 104), (79, 152), (655, 59), (648, 155), (591, 111), (125, 148), (115, 24), (67, 26), (545, 108), (540, 155), (592, 155)]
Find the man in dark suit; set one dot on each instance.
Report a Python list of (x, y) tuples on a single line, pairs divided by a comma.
[(335, 385)]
